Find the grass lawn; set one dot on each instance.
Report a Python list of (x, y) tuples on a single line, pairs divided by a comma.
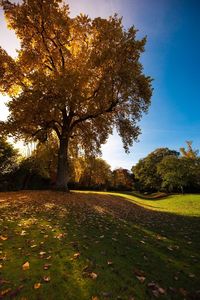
[(98, 246)]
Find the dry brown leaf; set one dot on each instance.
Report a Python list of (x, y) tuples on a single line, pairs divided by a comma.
[(26, 266), (183, 292)]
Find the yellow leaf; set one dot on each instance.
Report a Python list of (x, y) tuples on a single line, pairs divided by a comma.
[(26, 266)]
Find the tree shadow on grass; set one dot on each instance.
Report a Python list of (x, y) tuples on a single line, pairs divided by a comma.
[(98, 245)]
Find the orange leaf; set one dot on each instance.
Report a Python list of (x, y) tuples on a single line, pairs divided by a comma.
[(37, 285), (3, 238), (4, 292), (26, 266)]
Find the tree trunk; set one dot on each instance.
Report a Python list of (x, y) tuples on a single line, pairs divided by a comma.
[(63, 166)]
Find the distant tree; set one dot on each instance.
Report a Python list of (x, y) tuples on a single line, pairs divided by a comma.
[(75, 76), (189, 152), (145, 171), (91, 172), (175, 173), (46, 155), (8, 156), (193, 173), (122, 179)]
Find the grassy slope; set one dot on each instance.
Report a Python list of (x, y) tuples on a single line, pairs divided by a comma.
[(122, 243), (186, 205)]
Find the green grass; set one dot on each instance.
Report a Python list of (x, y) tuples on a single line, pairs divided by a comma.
[(99, 246)]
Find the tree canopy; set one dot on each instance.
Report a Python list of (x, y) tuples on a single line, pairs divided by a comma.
[(145, 171), (75, 76)]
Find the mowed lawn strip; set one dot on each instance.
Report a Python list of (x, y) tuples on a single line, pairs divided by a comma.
[(90, 246)]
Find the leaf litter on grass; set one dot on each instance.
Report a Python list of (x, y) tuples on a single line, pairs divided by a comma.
[(119, 248)]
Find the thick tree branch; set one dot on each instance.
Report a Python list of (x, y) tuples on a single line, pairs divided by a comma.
[(50, 125), (95, 115)]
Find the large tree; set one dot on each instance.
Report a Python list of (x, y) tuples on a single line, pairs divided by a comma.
[(75, 76)]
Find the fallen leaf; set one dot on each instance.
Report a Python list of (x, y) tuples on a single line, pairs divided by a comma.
[(141, 278), (59, 236), (37, 285), (23, 232), (93, 275), (46, 266), (76, 255), (26, 266), (5, 292), (46, 278), (3, 238), (183, 292), (161, 290), (156, 289)]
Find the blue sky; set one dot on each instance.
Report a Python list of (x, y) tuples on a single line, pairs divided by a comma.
[(171, 58)]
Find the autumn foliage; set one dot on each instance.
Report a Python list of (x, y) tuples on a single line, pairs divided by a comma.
[(75, 76)]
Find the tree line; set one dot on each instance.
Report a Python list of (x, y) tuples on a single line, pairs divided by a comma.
[(161, 170), (169, 170)]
